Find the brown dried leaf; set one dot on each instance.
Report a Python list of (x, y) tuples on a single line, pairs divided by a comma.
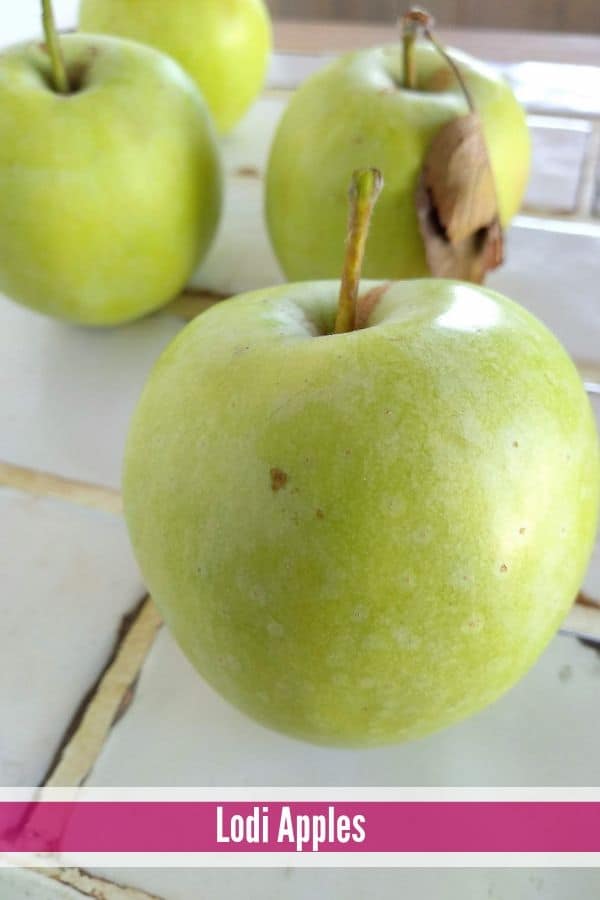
[(367, 303), (456, 203)]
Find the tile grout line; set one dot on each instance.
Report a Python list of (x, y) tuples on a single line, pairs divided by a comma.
[(193, 301), (46, 484), (85, 739), (586, 188), (92, 886), (108, 700)]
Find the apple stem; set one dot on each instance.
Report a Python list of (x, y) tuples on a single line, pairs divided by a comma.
[(411, 23), (59, 70), (409, 63), (364, 191)]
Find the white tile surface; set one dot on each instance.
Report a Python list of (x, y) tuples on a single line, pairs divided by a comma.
[(21, 19), (67, 393), (248, 145), (365, 884), (591, 584), (559, 148), (179, 732), (338, 884), (557, 89), (555, 274), (68, 577), (241, 257), (21, 884)]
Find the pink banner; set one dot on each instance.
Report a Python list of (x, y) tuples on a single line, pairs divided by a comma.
[(203, 827)]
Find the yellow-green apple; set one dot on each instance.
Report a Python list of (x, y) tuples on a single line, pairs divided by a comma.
[(223, 44), (360, 536), (111, 189), (357, 112)]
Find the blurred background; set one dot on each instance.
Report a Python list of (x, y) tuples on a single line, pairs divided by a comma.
[(537, 15)]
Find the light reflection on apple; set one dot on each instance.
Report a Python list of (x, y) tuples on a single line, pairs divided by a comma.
[(469, 311)]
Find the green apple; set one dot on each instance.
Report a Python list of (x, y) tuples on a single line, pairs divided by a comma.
[(223, 44), (355, 113), (361, 537), (110, 192)]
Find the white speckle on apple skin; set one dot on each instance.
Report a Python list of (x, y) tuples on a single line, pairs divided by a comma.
[(406, 639), (275, 629)]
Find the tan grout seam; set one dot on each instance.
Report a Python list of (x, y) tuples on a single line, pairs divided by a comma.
[(45, 484), (191, 303), (107, 701), (585, 600), (92, 886), (586, 190)]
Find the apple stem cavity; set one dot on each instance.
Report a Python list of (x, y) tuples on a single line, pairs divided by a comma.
[(364, 191), (416, 21), (59, 70)]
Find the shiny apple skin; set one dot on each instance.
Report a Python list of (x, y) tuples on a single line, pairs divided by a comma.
[(110, 195), (362, 538), (225, 45)]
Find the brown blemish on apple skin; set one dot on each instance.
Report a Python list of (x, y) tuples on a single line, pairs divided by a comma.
[(504, 567), (247, 172), (515, 443), (320, 514), (279, 479), (367, 303)]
